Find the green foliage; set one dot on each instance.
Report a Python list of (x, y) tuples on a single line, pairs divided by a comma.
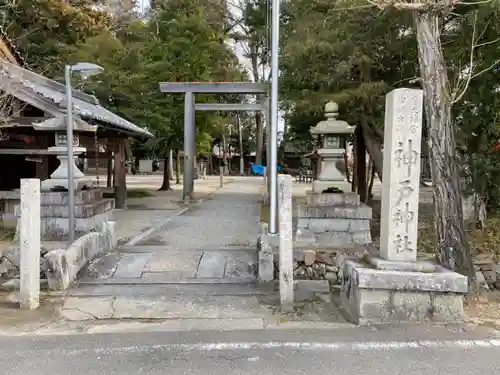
[(354, 54), (183, 40), (44, 29)]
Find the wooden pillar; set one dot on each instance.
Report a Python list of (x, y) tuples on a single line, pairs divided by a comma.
[(120, 175), (360, 166), (42, 169), (109, 169)]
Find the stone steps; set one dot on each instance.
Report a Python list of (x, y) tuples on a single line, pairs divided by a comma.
[(168, 307), (145, 290), (165, 278)]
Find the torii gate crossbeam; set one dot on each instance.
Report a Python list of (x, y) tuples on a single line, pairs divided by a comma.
[(190, 108)]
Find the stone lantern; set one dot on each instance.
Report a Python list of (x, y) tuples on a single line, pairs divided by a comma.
[(59, 178), (333, 135)]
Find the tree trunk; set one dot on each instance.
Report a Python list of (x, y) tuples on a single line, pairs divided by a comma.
[(453, 249), (347, 169), (166, 174), (360, 166), (354, 179), (259, 126), (177, 168), (372, 180)]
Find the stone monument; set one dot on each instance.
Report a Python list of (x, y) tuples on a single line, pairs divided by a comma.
[(395, 286), (92, 210), (333, 215)]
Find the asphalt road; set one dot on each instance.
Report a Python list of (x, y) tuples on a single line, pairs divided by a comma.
[(345, 351)]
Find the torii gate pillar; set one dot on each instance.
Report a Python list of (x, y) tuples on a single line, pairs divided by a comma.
[(190, 107)]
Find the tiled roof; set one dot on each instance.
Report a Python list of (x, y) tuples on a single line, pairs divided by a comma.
[(86, 106)]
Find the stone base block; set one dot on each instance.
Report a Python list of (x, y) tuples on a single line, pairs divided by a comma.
[(57, 228), (60, 198), (391, 265), (334, 212), (374, 296), (331, 239), (332, 199), (317, 225), (320, 186), (84, 210), (54, 184), (91, 211), (304, 238)]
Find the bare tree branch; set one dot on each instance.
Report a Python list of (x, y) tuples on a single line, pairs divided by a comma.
[(460, 90), (472, 2), (456, 97)]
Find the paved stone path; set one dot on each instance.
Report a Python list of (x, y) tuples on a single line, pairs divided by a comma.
[(202, 264), (211, 241)]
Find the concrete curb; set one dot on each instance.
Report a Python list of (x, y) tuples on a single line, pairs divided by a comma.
[(108, 326), (147, 233)]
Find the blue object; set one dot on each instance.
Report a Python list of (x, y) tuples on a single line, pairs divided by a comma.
[(259, 169)]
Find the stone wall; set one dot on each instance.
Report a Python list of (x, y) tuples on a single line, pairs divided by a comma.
[(315, 265), (64, 264)]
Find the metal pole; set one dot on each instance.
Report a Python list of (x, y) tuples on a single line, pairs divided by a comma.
[(69, 145), (240, 131), (268, 145), (273, 139), (188, 145), (221, 174)]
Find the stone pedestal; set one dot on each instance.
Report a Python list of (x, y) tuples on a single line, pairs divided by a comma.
[(402, 292), (333, 220), (91, 211), (396, 287), (58, 180)]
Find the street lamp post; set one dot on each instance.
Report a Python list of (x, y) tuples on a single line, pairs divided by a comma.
[(272, 161), (85, 70)]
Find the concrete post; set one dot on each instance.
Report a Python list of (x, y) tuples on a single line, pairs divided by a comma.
[(286, 242), (30, 244), (189, 143), (221, 173)]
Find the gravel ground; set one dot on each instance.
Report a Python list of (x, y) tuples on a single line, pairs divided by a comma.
[(230, 218)]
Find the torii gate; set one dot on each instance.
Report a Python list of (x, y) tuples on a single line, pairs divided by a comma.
[(190, 108)]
